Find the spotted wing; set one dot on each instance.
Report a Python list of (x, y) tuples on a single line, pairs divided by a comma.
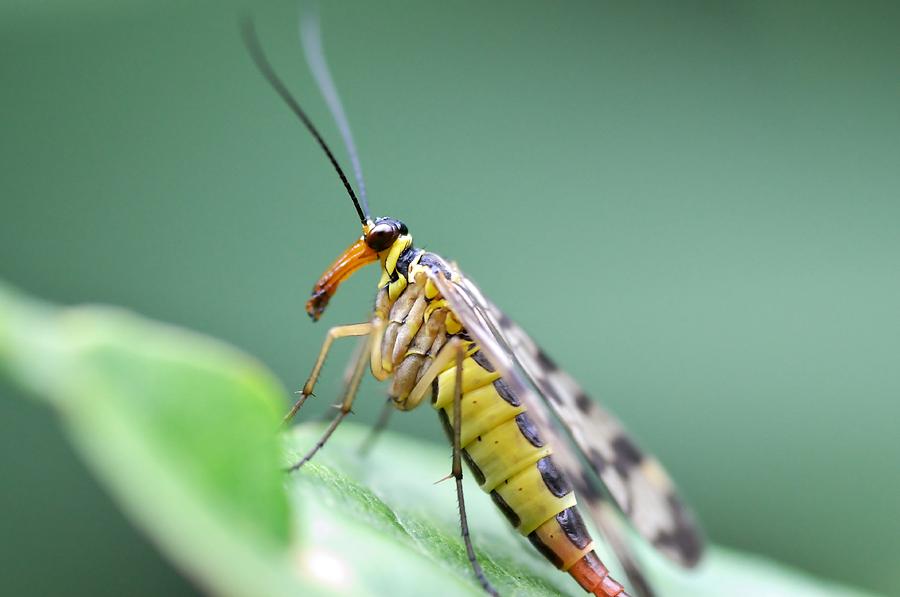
[(590, 498), (635, 481)]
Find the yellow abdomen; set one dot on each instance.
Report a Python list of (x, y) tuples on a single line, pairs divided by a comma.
[(511, 462)]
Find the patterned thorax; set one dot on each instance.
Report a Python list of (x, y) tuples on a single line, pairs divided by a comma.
[(412, 320)]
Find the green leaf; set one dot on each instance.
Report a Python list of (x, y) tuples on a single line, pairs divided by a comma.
[(392, 491), (182, 430)]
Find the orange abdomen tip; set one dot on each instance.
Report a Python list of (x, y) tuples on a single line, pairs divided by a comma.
[(594, 578)]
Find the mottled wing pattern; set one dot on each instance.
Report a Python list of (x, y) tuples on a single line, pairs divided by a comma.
[(590, 499), (634, 480)]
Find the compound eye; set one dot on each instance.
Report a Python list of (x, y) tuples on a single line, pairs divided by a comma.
[(381, 236)]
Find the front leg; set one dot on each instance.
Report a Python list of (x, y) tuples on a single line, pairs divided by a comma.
[(342, 331), (344, 408)]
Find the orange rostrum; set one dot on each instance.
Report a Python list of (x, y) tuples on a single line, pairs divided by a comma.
[(356, 256)]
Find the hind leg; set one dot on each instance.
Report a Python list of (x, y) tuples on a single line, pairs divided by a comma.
[(456, 472), (366, 446)]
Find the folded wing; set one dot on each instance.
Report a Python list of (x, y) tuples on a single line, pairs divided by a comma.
[(635, 481)]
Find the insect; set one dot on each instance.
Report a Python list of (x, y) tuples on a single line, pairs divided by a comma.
[(531, 437)]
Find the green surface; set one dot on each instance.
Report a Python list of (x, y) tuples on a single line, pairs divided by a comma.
[(693, 206), (182, 431)]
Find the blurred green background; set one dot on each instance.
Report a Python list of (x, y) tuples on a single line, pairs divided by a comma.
[(694, 206)]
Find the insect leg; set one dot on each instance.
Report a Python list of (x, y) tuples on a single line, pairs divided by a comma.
[(441, 361), (343, 331), (457, 475), (343, 409), (366, 446), (378, 327), (362, 344)]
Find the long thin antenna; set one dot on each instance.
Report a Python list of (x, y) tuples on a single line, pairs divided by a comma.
[(311, 38), (262, 63)]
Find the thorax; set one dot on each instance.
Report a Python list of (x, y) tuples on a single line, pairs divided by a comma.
[(412, 322)]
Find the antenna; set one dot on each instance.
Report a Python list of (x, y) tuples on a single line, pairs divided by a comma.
[(311, 38), (251, 41)]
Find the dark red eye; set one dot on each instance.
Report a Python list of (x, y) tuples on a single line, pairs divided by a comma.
[(381, 236)]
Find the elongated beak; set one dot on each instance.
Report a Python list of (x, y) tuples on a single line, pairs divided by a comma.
[(356, 256)]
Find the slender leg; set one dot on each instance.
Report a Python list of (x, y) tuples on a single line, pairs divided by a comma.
[(457, 474), (362, 343), (378, 327), (347, 376), (375, 433), (343, 409), (446, 355), (343, 331)]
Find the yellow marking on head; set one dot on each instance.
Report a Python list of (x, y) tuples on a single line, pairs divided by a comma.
[(393, 254)]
